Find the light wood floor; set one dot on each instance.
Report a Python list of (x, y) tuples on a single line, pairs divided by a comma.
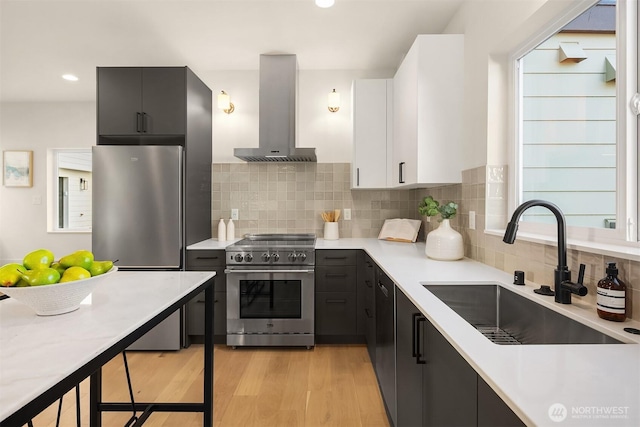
[(325, 386)]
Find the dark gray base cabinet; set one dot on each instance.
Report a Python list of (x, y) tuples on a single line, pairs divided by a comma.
[(208, 260), (366, 317), (385, 364), (435, 385), (336, 297)]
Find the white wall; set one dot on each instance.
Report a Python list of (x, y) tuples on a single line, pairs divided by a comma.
[(330, 133), (38, 127), (41, 126), (493, 29)]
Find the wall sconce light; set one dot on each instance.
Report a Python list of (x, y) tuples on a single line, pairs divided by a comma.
[(84, 184), (333, 101), (224, 102)]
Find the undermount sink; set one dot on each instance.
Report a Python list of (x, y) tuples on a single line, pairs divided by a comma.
[(505, 317)]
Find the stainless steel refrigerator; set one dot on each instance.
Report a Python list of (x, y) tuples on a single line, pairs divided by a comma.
[(139, 218)]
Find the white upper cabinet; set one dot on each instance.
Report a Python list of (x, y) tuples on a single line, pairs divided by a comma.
[(427, 113), (372, 133)]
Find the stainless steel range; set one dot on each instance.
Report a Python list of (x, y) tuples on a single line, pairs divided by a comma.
[(270, 290)]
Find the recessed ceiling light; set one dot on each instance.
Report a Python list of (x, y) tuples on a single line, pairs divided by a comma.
[(70, 77), (325, 3)]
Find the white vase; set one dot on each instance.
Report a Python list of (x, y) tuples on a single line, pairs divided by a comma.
[(444, 243)]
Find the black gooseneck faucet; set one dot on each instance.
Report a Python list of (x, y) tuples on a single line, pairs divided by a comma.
[(563, 286)]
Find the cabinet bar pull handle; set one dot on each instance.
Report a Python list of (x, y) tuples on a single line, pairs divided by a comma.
[(334, 258), (357, 177), (336, 301), (401, 172), (414, 333), (335, 275), (144, 122), (420, 357), (383, 289), (138, 122), (207, 257), (202, 301), (231, 271)]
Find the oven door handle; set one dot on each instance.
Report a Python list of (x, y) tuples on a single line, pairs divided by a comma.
[(229, 271)]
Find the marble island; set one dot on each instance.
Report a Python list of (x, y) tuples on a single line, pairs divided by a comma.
[(41, 357)]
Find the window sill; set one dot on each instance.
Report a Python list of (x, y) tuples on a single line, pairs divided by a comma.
[(631, 253)]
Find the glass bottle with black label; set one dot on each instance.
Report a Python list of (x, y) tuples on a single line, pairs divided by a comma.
[(612, 293)]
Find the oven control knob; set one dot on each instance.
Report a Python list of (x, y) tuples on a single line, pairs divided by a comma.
[(275, 257), (291, 257), (301, 256), (265, 257), (238, 258), (248, 257)]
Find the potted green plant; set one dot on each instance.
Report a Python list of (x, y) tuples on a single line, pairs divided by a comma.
[(429, 207), (444, 243)]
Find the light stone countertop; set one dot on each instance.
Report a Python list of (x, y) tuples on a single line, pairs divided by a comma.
[(37, 352), (211, 244), (598, 384)]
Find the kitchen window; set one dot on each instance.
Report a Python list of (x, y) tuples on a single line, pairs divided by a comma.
[(576, 134), (69, 190)]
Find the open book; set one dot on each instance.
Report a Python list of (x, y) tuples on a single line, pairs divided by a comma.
[(400, 230)]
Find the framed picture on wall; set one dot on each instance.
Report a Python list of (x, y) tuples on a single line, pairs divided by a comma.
[(17, 168)]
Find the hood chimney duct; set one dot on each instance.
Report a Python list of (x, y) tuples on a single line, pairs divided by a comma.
[(277, 110)]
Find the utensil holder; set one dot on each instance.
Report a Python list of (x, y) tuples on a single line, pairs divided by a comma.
[(331, 231)]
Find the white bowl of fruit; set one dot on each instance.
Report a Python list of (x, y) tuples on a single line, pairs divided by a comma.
[(53, 287)]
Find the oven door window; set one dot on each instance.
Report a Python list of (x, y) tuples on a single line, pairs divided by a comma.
[(270, 299)]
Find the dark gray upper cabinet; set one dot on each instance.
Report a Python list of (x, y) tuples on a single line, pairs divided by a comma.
[(142, 101)]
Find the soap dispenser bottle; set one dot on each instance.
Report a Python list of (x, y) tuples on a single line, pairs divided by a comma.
[(612, 293), (222, 231)]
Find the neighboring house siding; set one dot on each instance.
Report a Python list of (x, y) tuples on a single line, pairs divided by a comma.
[(569, 130)]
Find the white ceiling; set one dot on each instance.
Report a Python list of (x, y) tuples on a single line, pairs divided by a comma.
[(42, 39)]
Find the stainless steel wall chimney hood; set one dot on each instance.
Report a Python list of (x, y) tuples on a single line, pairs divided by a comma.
[(277, 109)]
